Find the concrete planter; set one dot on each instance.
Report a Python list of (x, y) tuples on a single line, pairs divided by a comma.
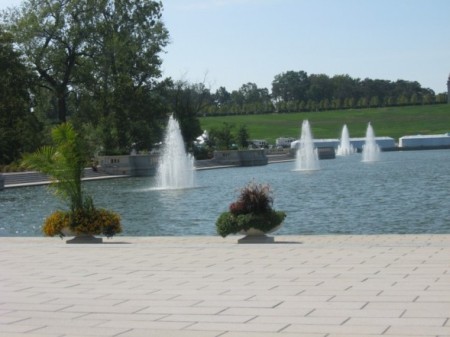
[(254, 235), (80, 238)]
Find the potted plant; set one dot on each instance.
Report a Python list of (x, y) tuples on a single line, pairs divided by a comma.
[(251, 214), (64, 162)]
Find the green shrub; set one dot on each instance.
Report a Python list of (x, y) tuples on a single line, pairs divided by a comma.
[(252, 209), (228, 223)]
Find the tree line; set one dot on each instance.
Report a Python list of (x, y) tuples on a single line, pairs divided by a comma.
[(296, 91), (97, 64)]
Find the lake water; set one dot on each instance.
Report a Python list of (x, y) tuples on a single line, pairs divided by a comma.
[(404, 192)]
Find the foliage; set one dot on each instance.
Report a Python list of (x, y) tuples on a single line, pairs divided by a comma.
[(222, 137), (93, 221), (249, 99), (186, 101), (242, 137), (64, 162), (295, 91), (253, 198), (120, 78), (20, 130), (97, 62), (52, 36), (252, 209), (228, 223), (203, 152), (290, 86)]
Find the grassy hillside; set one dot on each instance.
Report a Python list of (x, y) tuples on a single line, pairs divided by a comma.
[(393, 122)]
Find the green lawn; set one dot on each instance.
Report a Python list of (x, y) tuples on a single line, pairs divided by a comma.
[(393, 122)]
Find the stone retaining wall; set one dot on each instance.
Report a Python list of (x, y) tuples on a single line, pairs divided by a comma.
[(241, 157), (132, 165)]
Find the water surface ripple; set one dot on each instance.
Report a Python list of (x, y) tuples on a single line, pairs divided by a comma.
[(404, 192)]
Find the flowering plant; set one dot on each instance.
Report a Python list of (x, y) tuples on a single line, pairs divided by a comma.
[(64, 162), (252, 209), (93, 222)]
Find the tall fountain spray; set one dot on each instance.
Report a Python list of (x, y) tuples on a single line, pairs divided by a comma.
[(370, 149), (307, 158), (176, 167), (345, 148)]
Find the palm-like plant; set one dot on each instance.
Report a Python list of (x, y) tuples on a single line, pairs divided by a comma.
[(64, 162)]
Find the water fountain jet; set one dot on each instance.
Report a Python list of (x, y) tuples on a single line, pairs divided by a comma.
[(345, 148), (370, 149), (307, 158), (176, 167)]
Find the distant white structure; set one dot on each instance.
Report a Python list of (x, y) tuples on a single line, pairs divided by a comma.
[(382, 142), (357, 143), (318, 143), (259, 143), (424, 141), (284, 141), (326, 142), (203, 138)]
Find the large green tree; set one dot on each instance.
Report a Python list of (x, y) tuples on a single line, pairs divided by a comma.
[(344, 87), (186, 101), (320, 87), (53, 35), (98, 61), (222, 138), (128, 97), (290, 86), (19, 128)]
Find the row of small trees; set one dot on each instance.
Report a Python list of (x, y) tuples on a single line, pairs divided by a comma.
[(322, 105), (295, 91)]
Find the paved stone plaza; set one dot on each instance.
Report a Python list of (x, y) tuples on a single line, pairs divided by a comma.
[(387, 285)]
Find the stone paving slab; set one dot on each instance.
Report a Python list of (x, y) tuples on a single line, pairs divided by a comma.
[(312, 286)]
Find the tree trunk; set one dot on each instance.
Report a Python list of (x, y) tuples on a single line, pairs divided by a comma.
[(62, 107)]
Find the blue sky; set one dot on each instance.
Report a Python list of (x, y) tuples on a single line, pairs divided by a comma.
[(232, 42)]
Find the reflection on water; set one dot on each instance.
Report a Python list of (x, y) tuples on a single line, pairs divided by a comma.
[(404, 192)]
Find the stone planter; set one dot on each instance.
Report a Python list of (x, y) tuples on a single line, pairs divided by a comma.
[(80, 238), (254, 235)]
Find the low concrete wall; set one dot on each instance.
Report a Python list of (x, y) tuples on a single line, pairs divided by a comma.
[(131, 165), (323, 152), (253, 157), (2, 182), (327, 153), (241, 157), (115, 165), (143, 165), (226, 158)]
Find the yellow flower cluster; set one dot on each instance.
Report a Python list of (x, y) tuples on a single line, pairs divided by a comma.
[(93, 221), (55, 223)]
